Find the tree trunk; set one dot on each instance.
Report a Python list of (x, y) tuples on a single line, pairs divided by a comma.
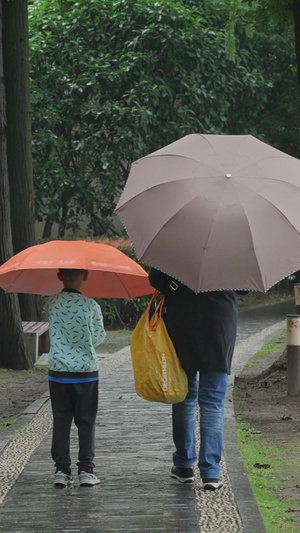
[(13, 352), (64, 216), (47, 229), (16, 74), (296, 12)]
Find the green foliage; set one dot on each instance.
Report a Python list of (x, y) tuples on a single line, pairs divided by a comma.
[(265, 31), (255, 13), (122, 313), (263, 11), (113, 80)]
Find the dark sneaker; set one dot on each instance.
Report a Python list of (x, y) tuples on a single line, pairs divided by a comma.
[(86, 479), (62, 480), (212, 484), (184, 475)]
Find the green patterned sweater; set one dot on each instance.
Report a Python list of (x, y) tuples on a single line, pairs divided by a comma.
[(76, 327)]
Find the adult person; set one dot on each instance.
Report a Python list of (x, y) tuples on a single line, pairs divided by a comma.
[(202, 328)]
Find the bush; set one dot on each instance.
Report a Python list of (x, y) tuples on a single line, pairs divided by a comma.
[(122, 313)]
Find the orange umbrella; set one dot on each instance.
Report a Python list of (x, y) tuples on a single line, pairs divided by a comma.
[(112, 274)]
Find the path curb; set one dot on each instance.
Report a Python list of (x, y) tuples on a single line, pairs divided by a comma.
[(247, 505), (28, 414)]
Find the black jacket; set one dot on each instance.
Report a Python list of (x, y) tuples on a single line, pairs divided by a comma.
[(201, 326)]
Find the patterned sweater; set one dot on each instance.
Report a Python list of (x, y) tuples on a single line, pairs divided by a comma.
[(76, 327)]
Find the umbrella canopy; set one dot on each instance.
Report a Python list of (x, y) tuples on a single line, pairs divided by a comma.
[(112, 274), (216, 212)]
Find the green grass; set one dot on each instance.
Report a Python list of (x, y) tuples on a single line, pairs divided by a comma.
[(275, 345), (115, 341), (20, 431), (267, 482), (7, 423)]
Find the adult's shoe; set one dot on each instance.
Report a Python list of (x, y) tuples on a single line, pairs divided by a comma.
[(184, 475), (212, 484)]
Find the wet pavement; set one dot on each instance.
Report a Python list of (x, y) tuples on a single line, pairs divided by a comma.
[(255, 320), (133, 458)]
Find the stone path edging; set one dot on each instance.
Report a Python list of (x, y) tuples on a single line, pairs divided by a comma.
[(247, 505)]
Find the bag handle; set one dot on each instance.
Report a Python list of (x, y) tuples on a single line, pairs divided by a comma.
[(156, 317)]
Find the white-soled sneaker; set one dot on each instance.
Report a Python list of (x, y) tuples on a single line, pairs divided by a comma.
[(87, 479), (184, 475), (62, 480), (212, 484)]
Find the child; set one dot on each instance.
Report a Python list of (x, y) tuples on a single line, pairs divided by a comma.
[(76, 327)]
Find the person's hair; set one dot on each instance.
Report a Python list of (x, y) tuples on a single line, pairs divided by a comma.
[(70, 274)]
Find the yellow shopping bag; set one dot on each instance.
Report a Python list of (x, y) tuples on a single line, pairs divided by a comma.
[(158, 374)]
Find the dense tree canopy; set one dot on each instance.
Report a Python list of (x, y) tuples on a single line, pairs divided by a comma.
[(113, 80), (279, 14)]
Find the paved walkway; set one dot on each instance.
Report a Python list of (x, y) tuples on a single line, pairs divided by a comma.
[(133, 458)]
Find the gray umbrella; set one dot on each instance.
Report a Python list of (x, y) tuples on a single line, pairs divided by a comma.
[(216, 212)]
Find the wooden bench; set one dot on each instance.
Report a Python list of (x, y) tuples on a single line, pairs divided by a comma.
[(36, 336)]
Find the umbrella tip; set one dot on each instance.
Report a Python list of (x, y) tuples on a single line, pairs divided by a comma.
[(228, 176)]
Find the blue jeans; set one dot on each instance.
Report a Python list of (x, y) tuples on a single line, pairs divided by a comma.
[(210, 394)]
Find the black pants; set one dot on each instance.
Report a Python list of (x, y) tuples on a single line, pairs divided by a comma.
[(78, 401)]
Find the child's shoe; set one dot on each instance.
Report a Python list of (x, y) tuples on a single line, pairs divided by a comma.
[(62, 480), (87, 479)]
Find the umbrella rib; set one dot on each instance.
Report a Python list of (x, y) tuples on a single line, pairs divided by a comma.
[(252, 238), (158, 232), (180, 156), (249, 226), (264, 159), (250, 231), (215, 151), (121, 282), (150, 188), (266, 199), (15, 279)]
